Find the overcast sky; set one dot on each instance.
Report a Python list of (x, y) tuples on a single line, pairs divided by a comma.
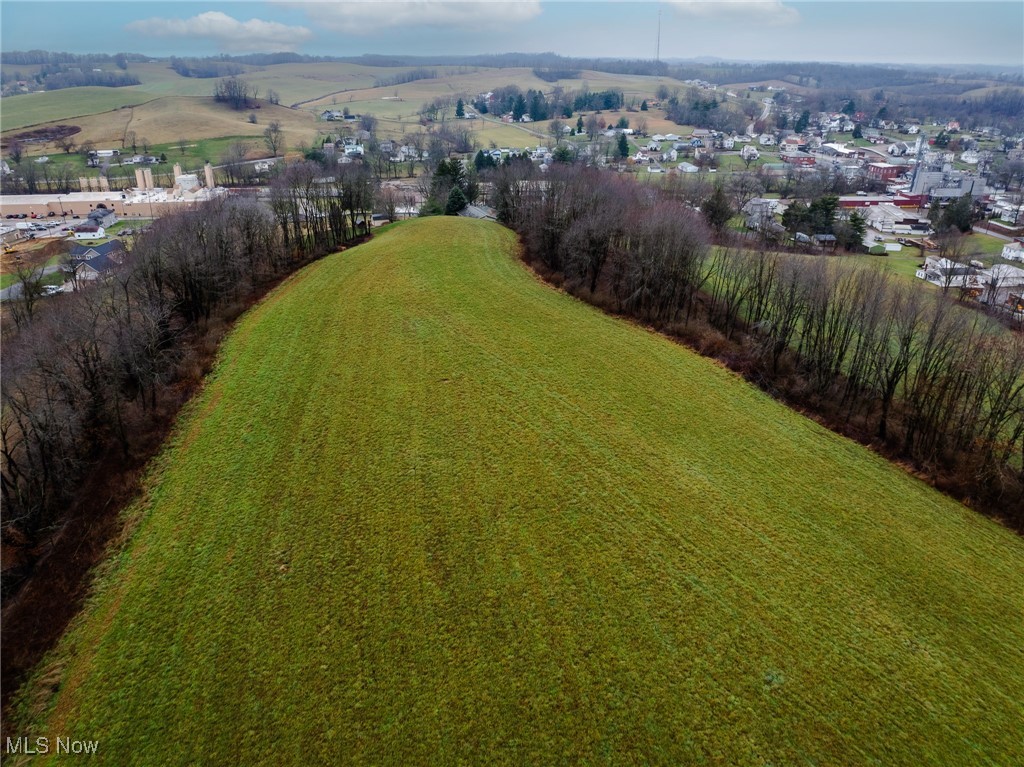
[(922, 32)]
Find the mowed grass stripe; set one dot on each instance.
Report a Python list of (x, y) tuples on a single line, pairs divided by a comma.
[(429, 510)]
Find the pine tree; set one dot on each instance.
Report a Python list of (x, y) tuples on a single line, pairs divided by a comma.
[(643, 105), (460, 109), (623, 146), (717, 210), (456, 202)]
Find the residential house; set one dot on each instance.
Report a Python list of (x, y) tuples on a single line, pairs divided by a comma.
[(766, 139), (94, 261), (1002, 284), (1013, 251), (749, 152), (948, 274), (89, 232), (102, 217), (792, 144)]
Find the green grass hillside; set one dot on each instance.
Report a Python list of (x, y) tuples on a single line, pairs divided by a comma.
[(430, 511)]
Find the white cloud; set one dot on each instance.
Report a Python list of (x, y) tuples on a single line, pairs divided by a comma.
[(229, 33), (365, 16), (773, 12)]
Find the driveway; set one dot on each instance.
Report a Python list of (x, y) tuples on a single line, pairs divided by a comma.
[(15, 290)]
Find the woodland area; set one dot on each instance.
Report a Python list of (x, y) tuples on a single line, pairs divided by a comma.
[(911, 373)]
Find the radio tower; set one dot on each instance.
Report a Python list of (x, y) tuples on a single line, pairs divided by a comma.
[(657, 50)]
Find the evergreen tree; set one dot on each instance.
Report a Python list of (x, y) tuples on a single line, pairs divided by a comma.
[(803, 122), (958, 215), (858, 229), (518, 107), (456, 202), (483, 160), (716, 209), (623, 146), (460, 109), (857, 132), (643, 105), (563, 154)]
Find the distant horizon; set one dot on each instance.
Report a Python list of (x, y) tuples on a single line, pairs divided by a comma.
[(934, 33), (965, 67)]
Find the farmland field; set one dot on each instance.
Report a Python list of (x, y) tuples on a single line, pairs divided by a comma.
[(430, 511), (176, 105), (64, 105)]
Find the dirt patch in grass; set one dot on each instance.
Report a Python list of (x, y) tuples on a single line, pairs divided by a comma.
[(42, 135)]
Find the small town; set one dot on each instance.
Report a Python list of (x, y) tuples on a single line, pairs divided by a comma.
[(512, 382)]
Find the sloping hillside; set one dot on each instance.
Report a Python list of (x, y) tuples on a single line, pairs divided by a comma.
[(430, 511)]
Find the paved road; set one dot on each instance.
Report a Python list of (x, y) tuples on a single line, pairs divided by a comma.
[(15, 290)]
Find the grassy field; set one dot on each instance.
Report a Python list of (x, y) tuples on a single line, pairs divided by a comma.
[(66, 105), (167, 106), (430, 511), (293, 82)]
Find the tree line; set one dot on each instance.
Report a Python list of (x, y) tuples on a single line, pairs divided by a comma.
[(89, 376), (880, 359), (205, 68), (420, 73)]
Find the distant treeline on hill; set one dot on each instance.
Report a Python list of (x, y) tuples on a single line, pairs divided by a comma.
[(551, 67), (406, 77), (205, 67), (28, 58), (67, 70), (554, 75), (77, 79)]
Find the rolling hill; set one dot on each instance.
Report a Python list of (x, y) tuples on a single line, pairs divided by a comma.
[(430, 511)]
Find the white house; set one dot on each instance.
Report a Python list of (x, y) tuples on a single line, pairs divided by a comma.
[(950, 274), (1013, 251), (749, 152), (766, 139), (89, 232), (1000, 283)]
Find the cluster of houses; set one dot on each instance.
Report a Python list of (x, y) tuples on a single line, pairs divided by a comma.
[(96, 158), (334, 115), (1001, 285)]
